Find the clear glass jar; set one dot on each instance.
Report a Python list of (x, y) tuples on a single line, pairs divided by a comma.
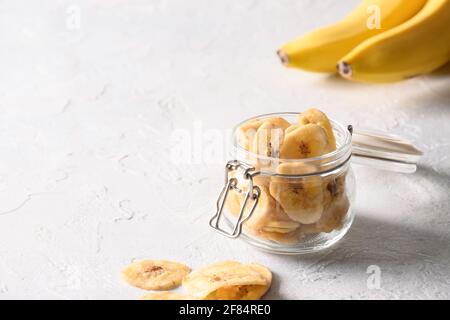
[(299, 206)]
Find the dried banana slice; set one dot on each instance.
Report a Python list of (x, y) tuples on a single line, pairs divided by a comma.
[(269, 221), (155, 274), (301, 198), (264, 271), (336, 206), (305, 142), (247, 292), (268, 215), (234, 202), (334, 215), (252, 292), (278, 122), (282, 238), (333, 188), (269, 137), (316, 116), (236, 196), (227, 280), (247, 132), (166, 295), (280, 227), (291, 128)]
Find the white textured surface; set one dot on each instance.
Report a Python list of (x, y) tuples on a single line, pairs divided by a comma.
[(86, 183)]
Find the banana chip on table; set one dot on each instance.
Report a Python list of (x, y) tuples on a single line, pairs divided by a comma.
[(265, 272), (155, 274), (166, 295), (229, 280)]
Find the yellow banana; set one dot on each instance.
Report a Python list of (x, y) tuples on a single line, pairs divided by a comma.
[(420, 45), (320, 50)]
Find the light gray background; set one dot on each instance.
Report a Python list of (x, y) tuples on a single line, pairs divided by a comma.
[(86, 116)]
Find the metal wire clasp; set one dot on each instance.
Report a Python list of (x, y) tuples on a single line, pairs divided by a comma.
[(231, 183)]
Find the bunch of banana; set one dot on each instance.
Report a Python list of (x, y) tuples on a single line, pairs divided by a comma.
[(413, 38)]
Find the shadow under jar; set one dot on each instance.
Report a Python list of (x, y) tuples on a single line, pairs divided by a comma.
[(289, 206)]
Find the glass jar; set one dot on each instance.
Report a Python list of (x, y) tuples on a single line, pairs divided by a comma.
[(295, 206)]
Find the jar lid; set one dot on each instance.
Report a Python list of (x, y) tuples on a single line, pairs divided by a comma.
[(384, 151)]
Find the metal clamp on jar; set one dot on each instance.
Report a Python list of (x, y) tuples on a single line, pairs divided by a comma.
[(295, 206)]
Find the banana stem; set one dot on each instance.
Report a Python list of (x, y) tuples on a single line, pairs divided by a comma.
[(283, 57), (345, 69)]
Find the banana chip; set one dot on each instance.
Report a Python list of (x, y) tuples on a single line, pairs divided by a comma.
[(291, 128), (265, 272), (234, 201), (336, 205), (333, 188), (269, 220), (318, 117), (334, 215), (155, 274), (280, 229), (247, 132), (268, 140), (268, 215), (289, 238), (307, 141), (279, 122), (228, 280), (166, 295), (246, 292), (301, 198)]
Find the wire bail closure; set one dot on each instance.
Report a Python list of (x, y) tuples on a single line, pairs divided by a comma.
[(231, 184)]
